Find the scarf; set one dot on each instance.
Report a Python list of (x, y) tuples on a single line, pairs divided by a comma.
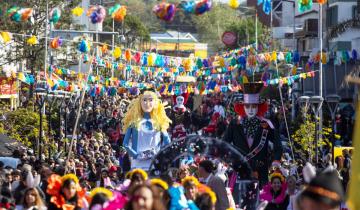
[(251, 125)]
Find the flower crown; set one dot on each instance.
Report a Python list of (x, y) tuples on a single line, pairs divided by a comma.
[(205, 189), (277, 175), (70, 176), (159, 182), (190, 179), (140, 171), (97, 190)]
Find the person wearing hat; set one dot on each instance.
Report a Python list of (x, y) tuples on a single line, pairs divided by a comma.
[(180, 116), (324, 192), (253, 134)]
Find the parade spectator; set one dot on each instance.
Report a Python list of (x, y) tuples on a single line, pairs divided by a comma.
[(275, 193), (31, 201), (142, 197), (217, 185)]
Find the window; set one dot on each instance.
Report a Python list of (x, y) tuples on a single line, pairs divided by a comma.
[(332, 16)]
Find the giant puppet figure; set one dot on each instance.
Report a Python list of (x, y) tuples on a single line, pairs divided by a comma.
[(251, 133), (145, 125)]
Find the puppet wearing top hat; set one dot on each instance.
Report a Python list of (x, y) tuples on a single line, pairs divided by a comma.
[(252, 134), (180, 116)]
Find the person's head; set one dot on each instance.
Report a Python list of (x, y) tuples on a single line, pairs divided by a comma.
[(104, 174), (16, 175), (206, 167), (183, 172), (204, 202), (69, 188), (99, 196), (276, 180), (190, 185), (324, 192), (345, 152), (32, 198), (291, 183), (8, 177), (138, 177), (142, 197), (251, 110)]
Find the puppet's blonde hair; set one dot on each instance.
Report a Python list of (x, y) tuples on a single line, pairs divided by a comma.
[(134, 114)]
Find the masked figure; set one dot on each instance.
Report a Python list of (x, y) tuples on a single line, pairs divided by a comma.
[(180, 116), (254, 135), (145, 125)]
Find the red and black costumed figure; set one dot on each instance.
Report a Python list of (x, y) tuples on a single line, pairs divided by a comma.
[(252, 134), (180, 116)]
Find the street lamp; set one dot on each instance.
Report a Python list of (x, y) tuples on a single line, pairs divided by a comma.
[(316, 106), (333, 103)]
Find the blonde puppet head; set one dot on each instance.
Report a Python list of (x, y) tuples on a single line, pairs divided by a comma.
[(146, 102)]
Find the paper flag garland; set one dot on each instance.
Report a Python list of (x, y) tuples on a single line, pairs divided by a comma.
[(77, 11)]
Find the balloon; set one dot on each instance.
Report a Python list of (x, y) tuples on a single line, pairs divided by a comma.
[(234, 4), (77, 11)]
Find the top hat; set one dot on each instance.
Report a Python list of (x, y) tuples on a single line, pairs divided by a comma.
[(252, 92)]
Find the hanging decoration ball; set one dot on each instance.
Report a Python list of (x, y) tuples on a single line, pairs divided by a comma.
[(188, 6), (128, 55), (96, 14), (137, 57), (104, 49), (77, 11), (234, 4), (296, 57), (202, 7), (321, 1), (55, 15), (304, 5), (32, 40), (84, 46), (354, 55), (6, 36), (118, 12), (165, 11), (18, 14), (117, 52), (56, 43)]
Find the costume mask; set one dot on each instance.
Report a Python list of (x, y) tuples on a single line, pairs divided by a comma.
[(147, 102), (180, 101), (251, 110)]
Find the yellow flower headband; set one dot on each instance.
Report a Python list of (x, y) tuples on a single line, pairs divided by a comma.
[(277, 175), (206, 189), (140, 171), (97, 190), (159, 182), (190, 179), (70, 176)]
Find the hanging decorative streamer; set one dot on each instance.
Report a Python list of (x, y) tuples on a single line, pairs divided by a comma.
[(118, 12), (55, 15), (234, 4), (32, 41), (18, 14), (164, 11), (55, 43), (6, 36), (96, 14), (304, 5), (266, 5), (77, 11)]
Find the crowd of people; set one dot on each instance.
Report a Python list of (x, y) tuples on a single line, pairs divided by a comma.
[(100, 172)]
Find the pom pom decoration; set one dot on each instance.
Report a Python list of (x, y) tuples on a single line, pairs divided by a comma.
[(56, 43), (354, 55), (118, 12), (304, 5), (188, 6), (117, 52), (128, 55), (55, 15), (202, 7), (5, 36), (321, 1), (165, 11), (234, 4), (96, 14), (18, 14), (266, 5), (296, 57), (32, 41), (84, 46), (77, 11)]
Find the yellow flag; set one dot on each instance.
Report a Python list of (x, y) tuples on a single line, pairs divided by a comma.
[(354, 191)]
